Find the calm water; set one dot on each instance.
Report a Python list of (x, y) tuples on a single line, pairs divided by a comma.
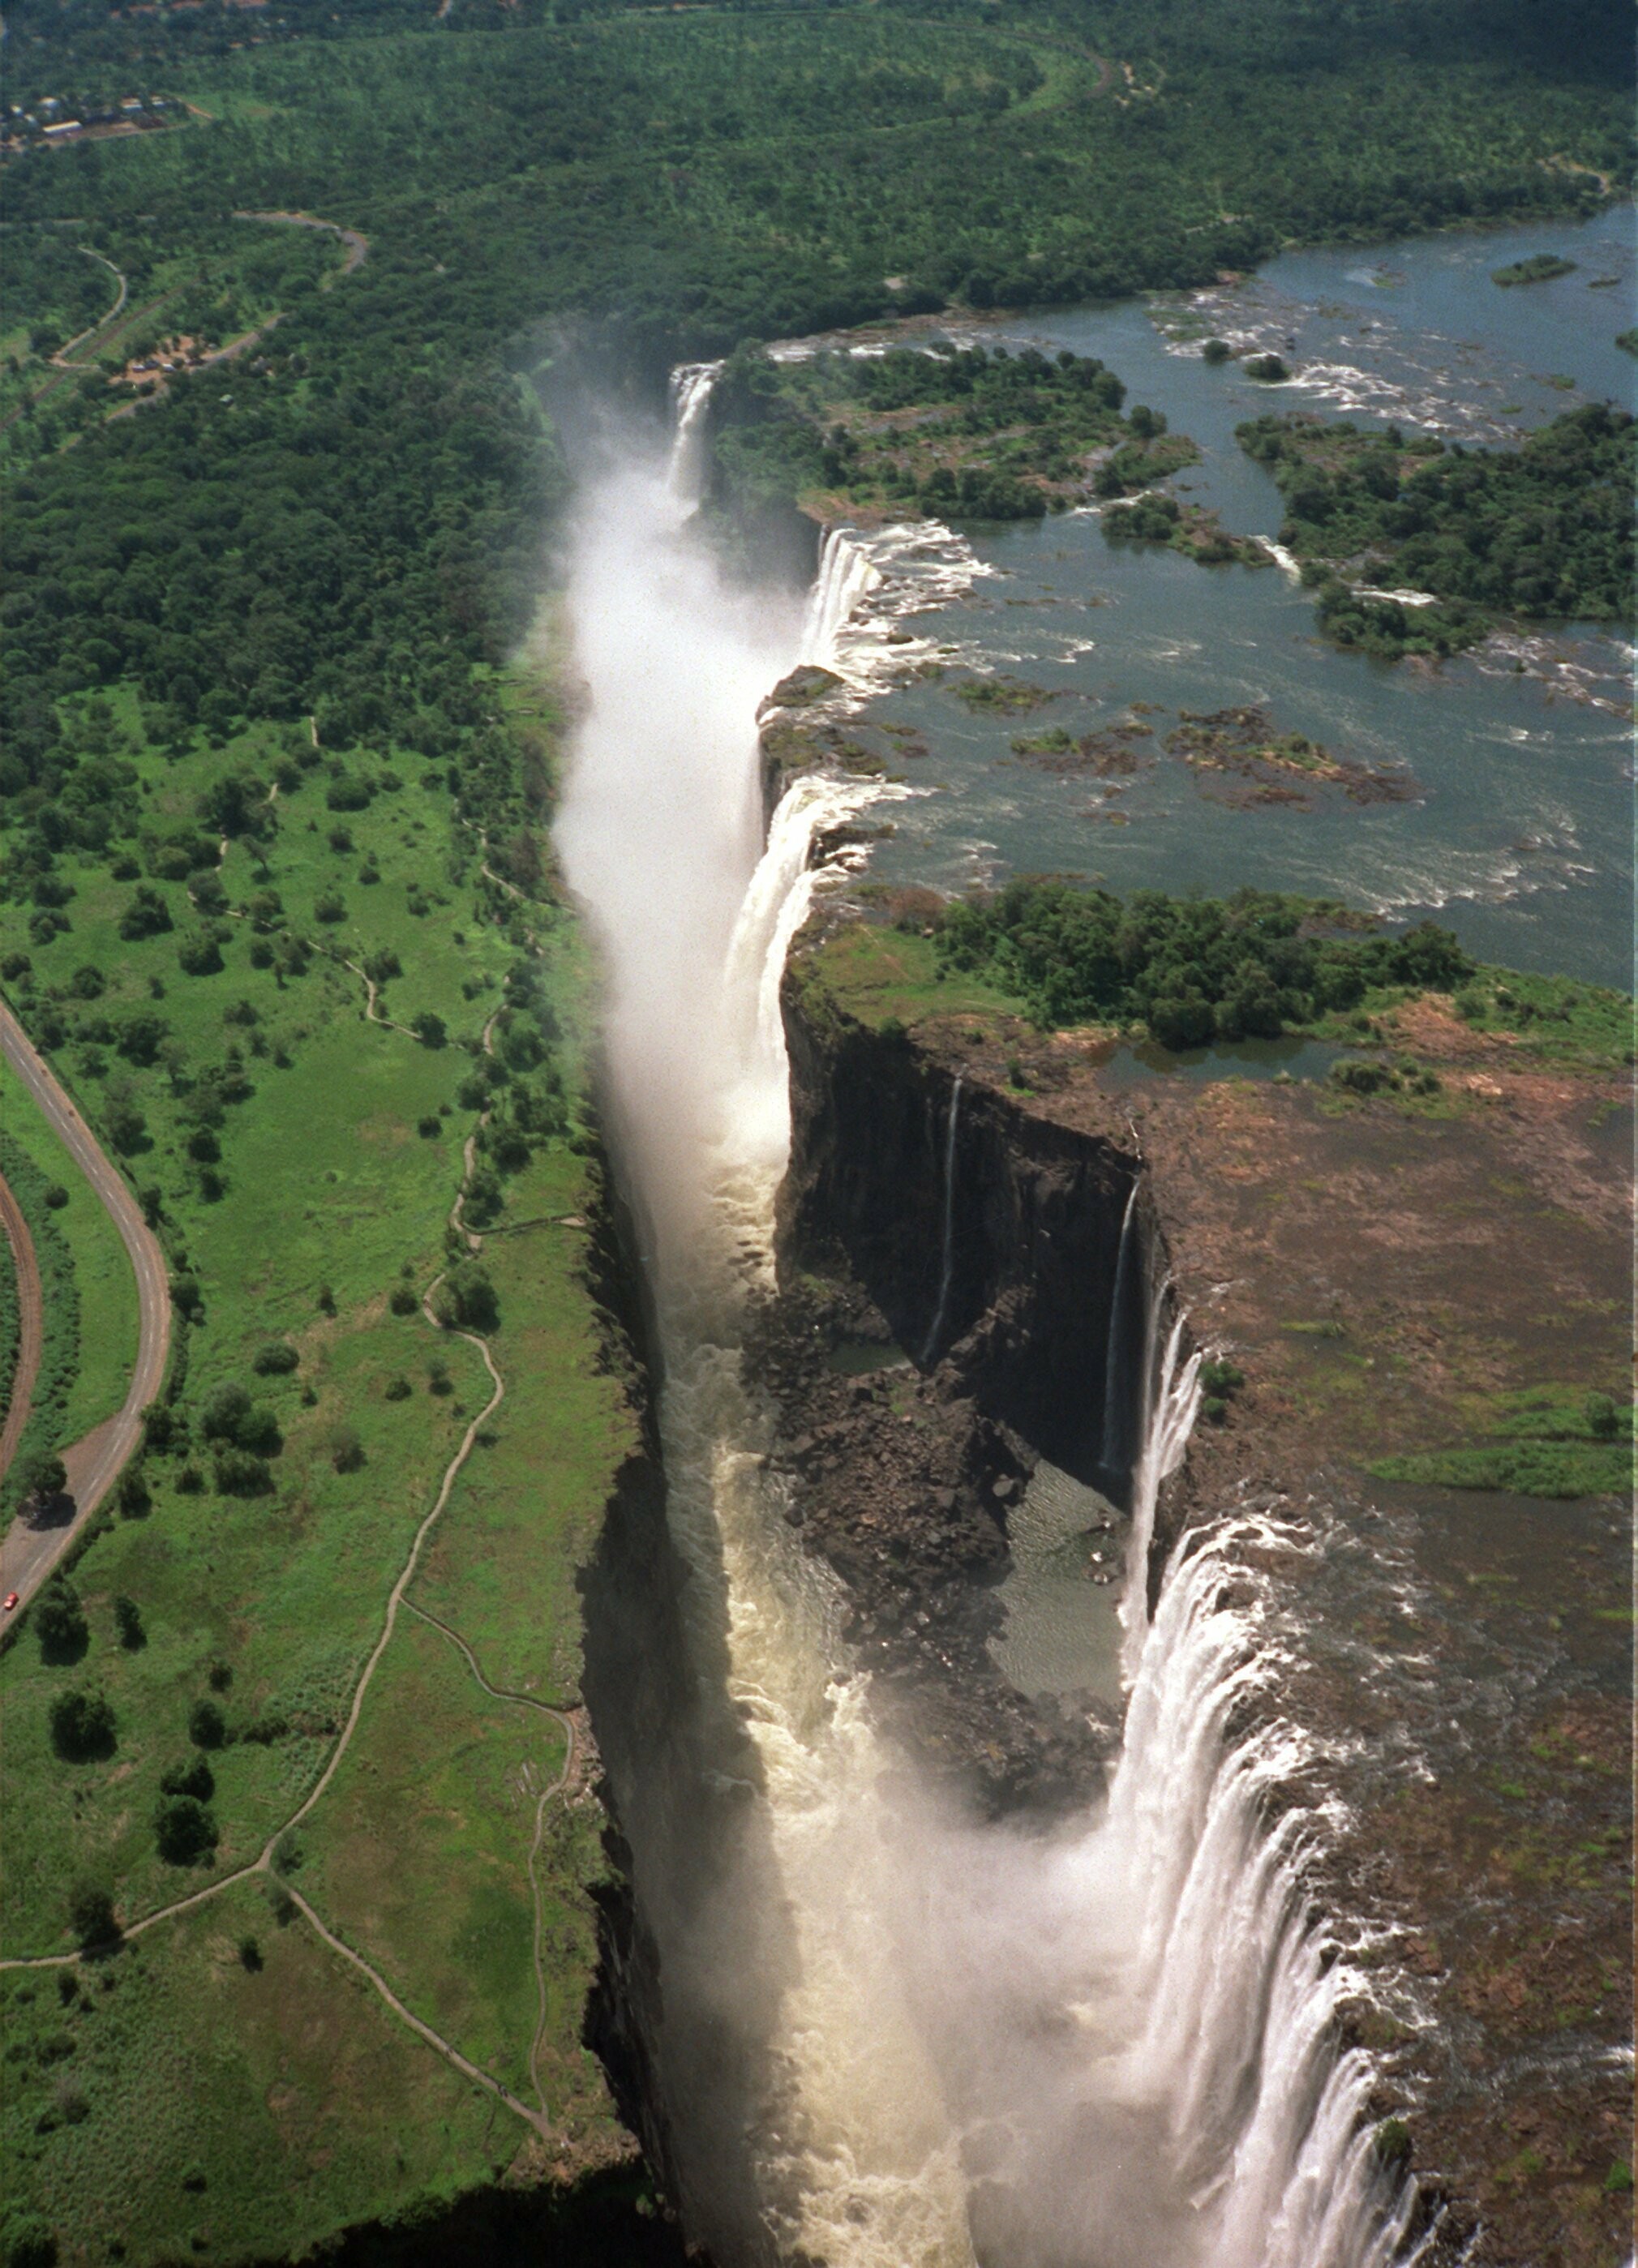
[(1518, 834)]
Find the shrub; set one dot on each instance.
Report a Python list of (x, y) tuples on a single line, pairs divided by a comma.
[(1268, 367), (56, 1196), (28, 2242), (466, 1298), (430, 1127), (82, 1725), (91, 1914), (134, 1496), (199, 955), (397, 1389), (250, 1954), (326, 1301), (430, 1030), (128, 1622), (193, 1777), (1603, 1420), (207, 1727), (237, 1472), (146, 915), (184, 1830), (346, 1449), (230, 1416), (437, 1378), (328, 907), (402, 1300), (276, 1359), (1215, 351)]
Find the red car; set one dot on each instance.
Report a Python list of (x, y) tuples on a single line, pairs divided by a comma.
[(10, 1601)]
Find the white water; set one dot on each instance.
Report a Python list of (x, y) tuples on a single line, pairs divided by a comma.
[(1171, 1403), (1103, 2049), (947, 1264)]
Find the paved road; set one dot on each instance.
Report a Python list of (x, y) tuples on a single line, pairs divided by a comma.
[(28, 1555), (30, 1334)]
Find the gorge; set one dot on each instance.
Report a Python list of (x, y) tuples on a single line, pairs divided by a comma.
[(872, 2021)]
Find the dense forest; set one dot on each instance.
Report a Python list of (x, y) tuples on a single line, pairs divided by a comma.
[(1542, 532), (1192, 969), (345, 528)]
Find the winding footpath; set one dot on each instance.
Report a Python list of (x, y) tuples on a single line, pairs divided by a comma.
[(265, 1862), (29, 1554)]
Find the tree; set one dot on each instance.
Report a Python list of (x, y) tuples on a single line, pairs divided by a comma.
[(184, 1830), (207, 1727), (466, 1299), (60, 1620), (346, 1449), (82, 1725), (92, 1916), (430, 1029), (193, 1778), (42, 1479)]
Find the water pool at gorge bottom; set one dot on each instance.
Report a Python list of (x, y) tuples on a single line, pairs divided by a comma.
[(1512, 822)]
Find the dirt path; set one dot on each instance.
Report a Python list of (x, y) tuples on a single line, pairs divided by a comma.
[(30, 1324), (27, 1555)]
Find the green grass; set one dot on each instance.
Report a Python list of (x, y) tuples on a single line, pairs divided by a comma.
[(331, 1196), (882, 976), (291, 2090), (102, 1268), (1541, 1443)]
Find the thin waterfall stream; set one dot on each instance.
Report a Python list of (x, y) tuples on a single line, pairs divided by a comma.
[(892, 2037)]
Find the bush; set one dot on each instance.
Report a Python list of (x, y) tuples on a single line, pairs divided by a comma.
[(184, 1830), (429, 1128), (207, 1727), (91, 1914), (193, 1777), (466, 1299), (1215, 351), (1603, 1419), (199, 955), (430, 1030), (403, 1300), (128, 1623), (276, 1359), (82, 1725), (398, 1390), (230, 1416), (437, 1378), (237, 1472), (346, 1449), (59, 1621), (1268, 367), (328, 907), (134, 1496), (26, 2242), (250, 1954), (56, 1196)]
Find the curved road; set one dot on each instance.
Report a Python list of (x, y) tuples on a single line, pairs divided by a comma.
[(29, 1554)]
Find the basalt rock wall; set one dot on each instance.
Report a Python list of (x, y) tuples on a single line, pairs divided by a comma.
[(1026, 1216)]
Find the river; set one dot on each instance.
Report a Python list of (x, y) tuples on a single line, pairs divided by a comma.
[(1516, 758)]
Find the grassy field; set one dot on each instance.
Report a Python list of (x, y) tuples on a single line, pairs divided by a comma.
[(314, 1208), (102, 1268), (883, 976)]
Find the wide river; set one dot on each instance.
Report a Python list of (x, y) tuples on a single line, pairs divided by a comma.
[(1518, 829)]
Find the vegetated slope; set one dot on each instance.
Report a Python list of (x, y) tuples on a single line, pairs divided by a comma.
[(1544, 531), (168, 1705)]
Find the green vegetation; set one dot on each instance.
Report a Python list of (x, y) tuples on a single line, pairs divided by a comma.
[(1185, 527), (958, 432), (1540, 268), (1542, 532), (1256, 965), (104, 1288), (189, 1685), (1545, 1441), (1555, 1017), (46, 1430)]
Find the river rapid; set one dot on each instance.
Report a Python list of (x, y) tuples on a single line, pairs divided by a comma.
[(885, 2036)]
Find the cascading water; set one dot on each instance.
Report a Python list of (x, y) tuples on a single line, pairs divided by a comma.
[(946, 1265), (892, 2038), (691, 383)]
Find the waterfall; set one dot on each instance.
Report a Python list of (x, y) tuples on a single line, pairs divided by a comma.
[(947, 1265), (1108, 1445), (1168, 1415), (691, 383), (846, 575), (889, 2036)]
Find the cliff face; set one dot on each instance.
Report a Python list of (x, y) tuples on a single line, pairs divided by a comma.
[(1390, 1281), (1010, 1282)]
